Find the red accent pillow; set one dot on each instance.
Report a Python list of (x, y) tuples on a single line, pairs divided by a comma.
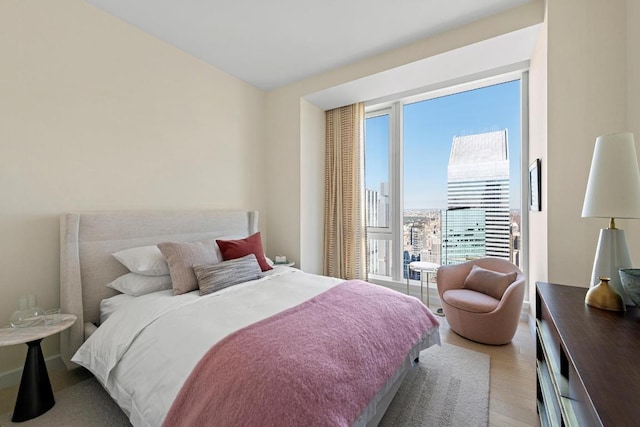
[(232, 249)]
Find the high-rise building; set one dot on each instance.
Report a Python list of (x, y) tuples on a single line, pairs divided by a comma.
[(417, 239), (463, 235), (377, 215), (377, 208), (372, 205), (478, 178), (515, 243)]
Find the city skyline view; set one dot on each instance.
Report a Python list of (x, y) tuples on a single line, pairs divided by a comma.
[(429, 128), (460, 174)]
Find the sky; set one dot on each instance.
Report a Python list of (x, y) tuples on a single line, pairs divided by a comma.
[(428, 130)]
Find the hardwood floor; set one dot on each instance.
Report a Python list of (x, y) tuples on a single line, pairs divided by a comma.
[(513, 378)]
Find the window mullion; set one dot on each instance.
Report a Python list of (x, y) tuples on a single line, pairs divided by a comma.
[(395, 169)]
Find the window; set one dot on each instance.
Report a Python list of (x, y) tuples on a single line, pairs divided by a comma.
[(443, 177), (377, 192)]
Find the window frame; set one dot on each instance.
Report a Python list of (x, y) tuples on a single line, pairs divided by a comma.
[(394, 233)]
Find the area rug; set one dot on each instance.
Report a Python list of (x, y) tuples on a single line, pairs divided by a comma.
[(450, 387), (83, 404)]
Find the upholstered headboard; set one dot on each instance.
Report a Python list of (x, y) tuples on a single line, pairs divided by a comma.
[(87, 241)]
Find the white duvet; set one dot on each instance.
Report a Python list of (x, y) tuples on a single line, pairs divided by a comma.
[(144, 352)]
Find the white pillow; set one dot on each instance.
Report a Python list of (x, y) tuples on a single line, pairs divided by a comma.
[(147, 260), (109, 306), (138, 284)]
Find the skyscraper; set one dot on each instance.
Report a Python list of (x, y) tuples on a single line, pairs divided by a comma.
[(478, 177), (463, 235), (377, 215)]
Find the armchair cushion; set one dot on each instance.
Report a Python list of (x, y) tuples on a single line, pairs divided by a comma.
[(471, 301), (489, 282)]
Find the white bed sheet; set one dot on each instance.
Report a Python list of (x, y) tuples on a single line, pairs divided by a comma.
[(144, 353), (109, 306)]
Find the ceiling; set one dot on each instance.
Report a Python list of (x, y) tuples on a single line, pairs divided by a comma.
[(273, 43)]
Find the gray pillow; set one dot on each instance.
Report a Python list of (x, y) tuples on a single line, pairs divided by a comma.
[(212, 278)]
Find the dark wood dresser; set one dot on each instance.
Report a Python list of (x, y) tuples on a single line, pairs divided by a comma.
[(588, 360)]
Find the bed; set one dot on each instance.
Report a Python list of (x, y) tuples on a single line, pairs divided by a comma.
[(147, 352)]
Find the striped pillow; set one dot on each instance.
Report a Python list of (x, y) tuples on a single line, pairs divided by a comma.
[(212, 278)]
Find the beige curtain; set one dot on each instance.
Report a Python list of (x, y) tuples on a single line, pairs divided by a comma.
[(345, 239)]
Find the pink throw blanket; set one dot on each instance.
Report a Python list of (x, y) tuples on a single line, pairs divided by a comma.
[(316, 364)]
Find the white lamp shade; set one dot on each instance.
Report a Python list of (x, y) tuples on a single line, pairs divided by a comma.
[(613, 189)]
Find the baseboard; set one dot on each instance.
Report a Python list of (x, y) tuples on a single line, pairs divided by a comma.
[(524, 313), (532, 324), (11, 378)]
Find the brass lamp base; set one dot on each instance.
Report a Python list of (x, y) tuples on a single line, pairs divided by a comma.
[(605, 297)]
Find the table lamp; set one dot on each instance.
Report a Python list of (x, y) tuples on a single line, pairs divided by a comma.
[(613, 191)]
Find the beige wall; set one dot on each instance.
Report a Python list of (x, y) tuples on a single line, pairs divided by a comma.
[(283, 170), (587, 97), (537, 236), (633, 91), (312, 137), (583, 84), (95, 114), (633, 107)]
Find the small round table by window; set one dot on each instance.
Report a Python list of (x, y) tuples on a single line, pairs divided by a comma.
[(425, 269), (286, 264), (35, 396)]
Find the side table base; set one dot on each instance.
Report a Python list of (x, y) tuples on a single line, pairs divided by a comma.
[(35, 396)]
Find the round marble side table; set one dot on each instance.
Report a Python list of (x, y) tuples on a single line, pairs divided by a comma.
[(35, 396)]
